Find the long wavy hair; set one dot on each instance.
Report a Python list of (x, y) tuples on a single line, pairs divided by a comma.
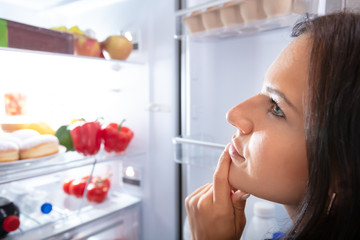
[(332, 129)]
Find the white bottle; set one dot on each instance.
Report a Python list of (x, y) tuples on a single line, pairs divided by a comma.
[(186, 230), (263, 224)]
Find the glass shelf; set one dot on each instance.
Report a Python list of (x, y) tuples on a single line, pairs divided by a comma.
[(222, 19), (195, 152), (114, 64), (119, 209), (32, 26), (61, 162)]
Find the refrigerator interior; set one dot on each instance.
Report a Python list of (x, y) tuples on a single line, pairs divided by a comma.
[(142, 201)]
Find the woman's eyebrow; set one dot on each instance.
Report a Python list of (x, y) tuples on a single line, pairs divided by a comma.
[(282, 95)]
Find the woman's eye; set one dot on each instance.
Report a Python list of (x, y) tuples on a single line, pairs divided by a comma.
[(276, 110)]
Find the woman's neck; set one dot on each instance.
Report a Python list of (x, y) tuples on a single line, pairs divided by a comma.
[(292, 211)]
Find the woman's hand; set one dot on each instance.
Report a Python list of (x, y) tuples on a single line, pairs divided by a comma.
[(213, 211)]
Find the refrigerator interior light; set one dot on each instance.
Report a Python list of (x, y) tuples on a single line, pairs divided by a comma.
[(130, 172), (131, 175)]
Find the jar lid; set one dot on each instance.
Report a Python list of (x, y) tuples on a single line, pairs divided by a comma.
[(11, 223)]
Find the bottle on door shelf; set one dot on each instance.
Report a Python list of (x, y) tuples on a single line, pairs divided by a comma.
[(263, 225)]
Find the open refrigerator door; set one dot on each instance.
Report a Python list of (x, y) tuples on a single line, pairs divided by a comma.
[(44, 88), (227, 47)]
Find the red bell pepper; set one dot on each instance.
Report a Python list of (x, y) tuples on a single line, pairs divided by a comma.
[(86, 138), (116, 137), (98, 189)]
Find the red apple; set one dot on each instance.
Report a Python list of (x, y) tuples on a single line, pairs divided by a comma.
[(118, 47), (86, 46)]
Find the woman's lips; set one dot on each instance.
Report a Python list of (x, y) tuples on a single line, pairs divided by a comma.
[(234, 154)]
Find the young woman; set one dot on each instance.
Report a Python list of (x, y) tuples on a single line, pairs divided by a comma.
[(296, 143)]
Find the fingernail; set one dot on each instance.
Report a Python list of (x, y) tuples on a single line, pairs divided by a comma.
[(245, 196)]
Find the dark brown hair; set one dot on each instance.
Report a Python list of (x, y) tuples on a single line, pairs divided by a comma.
[(332, 129)]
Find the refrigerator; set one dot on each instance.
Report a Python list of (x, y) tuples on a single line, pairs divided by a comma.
[(142, 202), (173, 90)]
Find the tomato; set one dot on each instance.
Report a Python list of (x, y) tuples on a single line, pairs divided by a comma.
[(66, 185), (98, 189), (77, 187), (106, 182)]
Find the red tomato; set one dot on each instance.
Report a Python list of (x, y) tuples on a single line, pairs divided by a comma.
[(66, 185), (77, 187), (97, 190), (106, 182)]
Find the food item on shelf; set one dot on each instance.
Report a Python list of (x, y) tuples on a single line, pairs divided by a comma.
[(77, 187), (39, 146), (97, 190), (9, 151), (252, 10), (274, 8), (211, 18), (10, 127), (194, 22), (26, 144), (9, 137), (118, 47), (230, 13), (30, 37), (84, 44), (41, 127), (116, 137), (87, 46), (75, 30), (66, 185), (15, 103), (86, 137), (64, 137), (23, 134)]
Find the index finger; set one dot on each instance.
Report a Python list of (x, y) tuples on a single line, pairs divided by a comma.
[(221, 182)]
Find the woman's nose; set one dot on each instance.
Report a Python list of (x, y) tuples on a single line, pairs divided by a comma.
[(239, 116)]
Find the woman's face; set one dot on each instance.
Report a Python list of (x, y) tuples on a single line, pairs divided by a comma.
[(268, 149)]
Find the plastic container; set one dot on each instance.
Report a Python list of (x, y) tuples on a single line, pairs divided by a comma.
[(263, 224)]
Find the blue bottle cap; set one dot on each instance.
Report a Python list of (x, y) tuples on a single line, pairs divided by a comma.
[(278, 235), (46, 208)]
